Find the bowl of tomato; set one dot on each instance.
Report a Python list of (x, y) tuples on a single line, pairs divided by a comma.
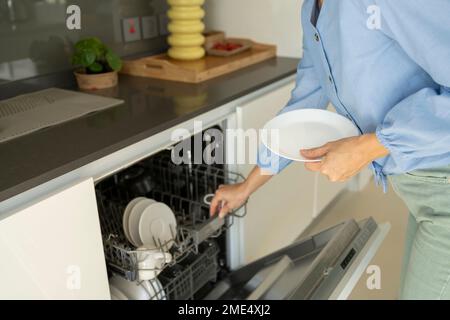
[(228, 47)]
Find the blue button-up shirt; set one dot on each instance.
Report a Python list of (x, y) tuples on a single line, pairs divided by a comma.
[(384, 64)]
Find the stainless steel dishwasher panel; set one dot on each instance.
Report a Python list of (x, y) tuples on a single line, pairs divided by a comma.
[(311, 268)]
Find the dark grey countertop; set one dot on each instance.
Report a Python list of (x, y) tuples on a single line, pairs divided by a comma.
[(151, 106)]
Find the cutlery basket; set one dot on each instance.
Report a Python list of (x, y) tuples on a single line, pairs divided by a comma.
[(184, 282)]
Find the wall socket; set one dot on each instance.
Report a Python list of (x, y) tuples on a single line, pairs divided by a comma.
[(149, 27), (131, 28)]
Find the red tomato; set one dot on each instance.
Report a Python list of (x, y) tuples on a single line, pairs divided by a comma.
[(227, 46)]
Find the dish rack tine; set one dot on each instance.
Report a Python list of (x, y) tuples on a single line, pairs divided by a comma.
[(172, 233)]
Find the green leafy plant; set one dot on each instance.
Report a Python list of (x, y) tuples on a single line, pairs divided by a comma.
[(95, 57)]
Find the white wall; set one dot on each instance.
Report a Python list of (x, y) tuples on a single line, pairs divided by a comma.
[(269, 21)]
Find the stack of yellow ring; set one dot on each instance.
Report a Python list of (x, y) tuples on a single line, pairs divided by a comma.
[(186, 28)]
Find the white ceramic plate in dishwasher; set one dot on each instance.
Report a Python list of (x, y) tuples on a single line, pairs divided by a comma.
[(134, 220), (305, 129), (138, 290), (126, 215), (116, 294), (157, 223), (155, 289)]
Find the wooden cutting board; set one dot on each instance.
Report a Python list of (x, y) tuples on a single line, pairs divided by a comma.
[(165, 68)]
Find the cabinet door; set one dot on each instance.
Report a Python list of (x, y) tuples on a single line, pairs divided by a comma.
[(283, 208), (326, 191), (53, 249)]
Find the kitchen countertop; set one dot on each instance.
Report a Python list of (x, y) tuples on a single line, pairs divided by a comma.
[(151, 106)]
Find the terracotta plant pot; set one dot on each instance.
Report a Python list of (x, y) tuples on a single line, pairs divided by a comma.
[(96, 81)]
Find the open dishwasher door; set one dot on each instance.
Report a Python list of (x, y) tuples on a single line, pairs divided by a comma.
[(324, 266)]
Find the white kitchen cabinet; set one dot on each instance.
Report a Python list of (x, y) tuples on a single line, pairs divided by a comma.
[(53, 249), (326, 192), (361, 181), (283, 208)]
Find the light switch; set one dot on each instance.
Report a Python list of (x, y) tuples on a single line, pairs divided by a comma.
[(149, 27), (163, 24), (131, 29)]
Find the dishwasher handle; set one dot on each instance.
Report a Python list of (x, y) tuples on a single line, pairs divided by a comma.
[(209, 197)]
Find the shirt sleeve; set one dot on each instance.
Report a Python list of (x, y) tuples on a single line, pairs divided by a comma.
[(417, 129), (307, 93)]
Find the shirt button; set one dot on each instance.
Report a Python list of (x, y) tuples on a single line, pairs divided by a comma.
[(330, 78), (316, 36)]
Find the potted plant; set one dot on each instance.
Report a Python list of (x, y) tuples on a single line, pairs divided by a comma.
[(98, 65)]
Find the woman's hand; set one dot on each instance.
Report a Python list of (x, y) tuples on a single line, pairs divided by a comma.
[(345, 158), (232, 197), (229, 198)]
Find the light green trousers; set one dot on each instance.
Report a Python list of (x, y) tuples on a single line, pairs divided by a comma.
[(426, 265)]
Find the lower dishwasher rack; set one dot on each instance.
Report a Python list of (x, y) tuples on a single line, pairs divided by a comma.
[(183, 282)]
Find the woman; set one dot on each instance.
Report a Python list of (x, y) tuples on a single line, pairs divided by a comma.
[(384, 64)]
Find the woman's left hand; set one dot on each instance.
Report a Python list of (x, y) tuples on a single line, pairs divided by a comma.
[(345, 158)]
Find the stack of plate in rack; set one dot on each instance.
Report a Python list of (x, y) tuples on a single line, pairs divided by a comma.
[(149, 224), (151, 227)]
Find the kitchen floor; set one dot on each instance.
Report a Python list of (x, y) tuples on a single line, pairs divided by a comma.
[(383, 208)]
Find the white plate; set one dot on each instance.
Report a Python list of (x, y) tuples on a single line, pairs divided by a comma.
[(156, 222), (126, 215), (116, 294), (134, 218), (161, 293), (155, 289), (137, 290), (305, 129)]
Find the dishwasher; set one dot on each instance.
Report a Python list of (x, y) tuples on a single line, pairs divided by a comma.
[(324, 266)]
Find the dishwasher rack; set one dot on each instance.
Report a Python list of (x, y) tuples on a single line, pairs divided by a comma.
[(183, 282), (183, 188)]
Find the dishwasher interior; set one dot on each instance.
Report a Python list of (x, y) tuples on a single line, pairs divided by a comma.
[(198, 245), (326, 265)]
